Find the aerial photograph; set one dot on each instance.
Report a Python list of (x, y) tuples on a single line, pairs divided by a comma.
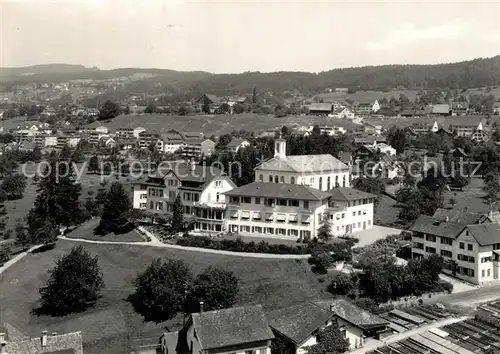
[(249, 177)]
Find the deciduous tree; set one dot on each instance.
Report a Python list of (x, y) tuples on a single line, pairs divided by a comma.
[(109, 110), (114, 215), (160, 291), (74, 283)]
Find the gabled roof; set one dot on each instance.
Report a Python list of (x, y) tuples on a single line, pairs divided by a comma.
[(352, 313), (278, 190), (236, 142), (303, 164), (188, 173), (457, 216), (432, 226), (441, 109), (212, 98), (68, 343), (460, 150), (346, 194), (345, 156), (320, 107), (300, 321), (485, 234), (229, 327), (472, 120)]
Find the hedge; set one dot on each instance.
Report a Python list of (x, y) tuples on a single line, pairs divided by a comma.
[(261, 247)]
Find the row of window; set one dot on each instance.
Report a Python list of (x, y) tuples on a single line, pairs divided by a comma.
[(281, 179), (269, 202), (466, 271), (486, 259), (153, 192), (444, 240), (269, 231), (470, 247), (483, 273), (466, 258), (192, 197)]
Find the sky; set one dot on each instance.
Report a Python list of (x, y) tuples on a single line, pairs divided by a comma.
[(237, 36)]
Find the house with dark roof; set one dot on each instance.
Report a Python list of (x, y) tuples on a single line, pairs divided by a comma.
[(232, 330), (298, 325), (237, 143), (13, 341), (356, 324), (466, 241), (208, 100), (459, 108), (201, 189), (459, 153), (466, 126), (320, 109)]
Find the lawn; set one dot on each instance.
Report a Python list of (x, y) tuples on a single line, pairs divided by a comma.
[(18, 209), (86, 231), (111, 326), (470, 199), (386, 212), (219, 124)]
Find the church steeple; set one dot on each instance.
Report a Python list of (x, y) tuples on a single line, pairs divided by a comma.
[(280, 147)]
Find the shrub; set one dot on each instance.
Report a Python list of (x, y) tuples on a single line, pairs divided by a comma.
[(340, 251), (342, 283)]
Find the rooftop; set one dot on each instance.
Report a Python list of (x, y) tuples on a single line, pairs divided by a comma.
[(352, 313), (68, 343), (303, 164), (457, 216), (433, 226), (346, 194), (187, 172), (236, 142), (485, 234), (278, 190), (298, 322), (233, 326)]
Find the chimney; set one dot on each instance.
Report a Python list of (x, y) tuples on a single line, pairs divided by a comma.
[(44, 338), (332, 308), (447, 219), (201, 306)]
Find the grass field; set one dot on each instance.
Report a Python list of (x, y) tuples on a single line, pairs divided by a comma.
[(112, 322), (365, 96), (471, 198), (386, 212), (218, 124), (86, 231)]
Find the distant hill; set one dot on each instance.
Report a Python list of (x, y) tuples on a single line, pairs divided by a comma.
[(475, 73), (44, 69)]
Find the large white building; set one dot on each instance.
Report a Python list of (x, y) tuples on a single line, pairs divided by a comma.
[(322, 172), (468, 242), (296, 211), (201, 189)]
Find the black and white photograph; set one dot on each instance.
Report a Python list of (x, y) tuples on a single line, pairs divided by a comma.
[(249, 177)]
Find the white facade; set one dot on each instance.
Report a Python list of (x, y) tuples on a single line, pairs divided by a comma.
[(386, 149), (376, 106), (260, 216), (322, 172), (50, 141), (139, 196), (352, 333), (350, 216)]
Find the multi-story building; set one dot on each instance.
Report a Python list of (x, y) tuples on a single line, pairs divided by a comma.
[(129, 133), (236, 144), (197, 148), (201, 189), (467, 125), (268, 209), (147, 137), (424, 128), (12, 342), (94, 133), (69, 140), (468, 243), (172, 142), (322, 172), (296, 211)]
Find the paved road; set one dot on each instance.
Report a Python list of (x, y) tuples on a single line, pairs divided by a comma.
[(470, 298)]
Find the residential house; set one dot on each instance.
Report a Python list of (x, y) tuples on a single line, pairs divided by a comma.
[(320, 109), (375, 106), (466, 126), (14, 342), (298, 325), (459, 153), (365, 141), (342, 113), (63, 140), (444, 132), (322, 172), (236, 144), (232, 330), (441, 110), (243, 100), (276, 210), (108, 142), (364, 152), (95, 133), (129, 133), (135, 109), (269, 133), (372, 129), (424, 128), (466, 241), (356, 324), (197, 148), (146, 138), (346, 157), (386, 149), (350, 210), (459, 108), (172, 142), (363, 108), (332, 131), (207, 100), (201, 189), (496, 108)]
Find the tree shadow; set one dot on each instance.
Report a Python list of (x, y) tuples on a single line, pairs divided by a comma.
[(44, 248)]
